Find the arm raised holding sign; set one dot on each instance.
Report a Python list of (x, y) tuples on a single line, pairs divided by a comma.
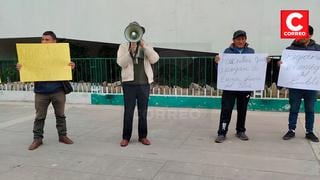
[(47, 92), (296, 94), (239, 46)]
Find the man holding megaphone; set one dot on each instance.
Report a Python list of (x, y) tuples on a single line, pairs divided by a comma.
[(135, 58)]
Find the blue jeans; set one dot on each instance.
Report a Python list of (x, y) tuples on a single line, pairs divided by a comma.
[(295, 96)]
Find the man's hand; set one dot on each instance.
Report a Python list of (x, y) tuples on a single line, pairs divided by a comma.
[(72, 64), (217, 59), (142, 43), (268, 59), (133, 47), (18, 66), (279, 63)]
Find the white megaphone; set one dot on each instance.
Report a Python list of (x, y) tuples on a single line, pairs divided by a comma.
[(134, 32)]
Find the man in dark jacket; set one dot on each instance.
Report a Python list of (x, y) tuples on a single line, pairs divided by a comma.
[(239, 46), (309, 96), (46, 93)]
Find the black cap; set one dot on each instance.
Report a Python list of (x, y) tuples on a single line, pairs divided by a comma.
[(136, 23), (239, 33)]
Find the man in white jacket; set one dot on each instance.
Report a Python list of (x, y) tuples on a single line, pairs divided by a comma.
[(135, 59)]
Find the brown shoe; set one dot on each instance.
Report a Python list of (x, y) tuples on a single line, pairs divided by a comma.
[(35, 144), (144, 141), (124, 143), (65, 140)]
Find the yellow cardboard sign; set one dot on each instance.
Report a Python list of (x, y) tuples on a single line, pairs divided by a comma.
[(44, 62)]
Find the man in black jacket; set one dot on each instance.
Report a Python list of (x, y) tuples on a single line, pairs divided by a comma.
[(46, 93), (309, 96)]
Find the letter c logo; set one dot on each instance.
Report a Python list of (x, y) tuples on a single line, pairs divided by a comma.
[(289, 21)]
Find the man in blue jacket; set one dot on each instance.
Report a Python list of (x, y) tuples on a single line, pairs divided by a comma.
[(309, 96), (46, 93), (239, 46)]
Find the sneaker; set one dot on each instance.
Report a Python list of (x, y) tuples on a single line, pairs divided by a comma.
[(220, 139), (242, 136), (289, 135), (312, 137)]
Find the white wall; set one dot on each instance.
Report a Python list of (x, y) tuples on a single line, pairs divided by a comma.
[(201, 25)]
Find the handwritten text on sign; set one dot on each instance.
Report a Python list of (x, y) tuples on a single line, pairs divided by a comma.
[(242, 72), (300, 70)]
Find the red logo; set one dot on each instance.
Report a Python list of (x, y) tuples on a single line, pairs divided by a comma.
[(294, 24)]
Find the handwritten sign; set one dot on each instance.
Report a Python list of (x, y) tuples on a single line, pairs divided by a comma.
[(300, 70), (44, 62), (242, 72)]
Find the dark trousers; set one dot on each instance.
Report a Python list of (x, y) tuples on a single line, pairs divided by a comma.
[(227, 104), (295, 97), (42, 102), (135, 94)]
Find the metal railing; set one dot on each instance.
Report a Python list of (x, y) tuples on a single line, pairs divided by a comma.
[(195, 76), (8, 71), (96, 70), (170, 71)]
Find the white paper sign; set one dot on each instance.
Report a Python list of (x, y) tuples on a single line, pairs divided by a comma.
[(300, 70), (242, 72)]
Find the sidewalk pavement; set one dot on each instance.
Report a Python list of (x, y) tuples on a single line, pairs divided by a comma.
[(182, 147)]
